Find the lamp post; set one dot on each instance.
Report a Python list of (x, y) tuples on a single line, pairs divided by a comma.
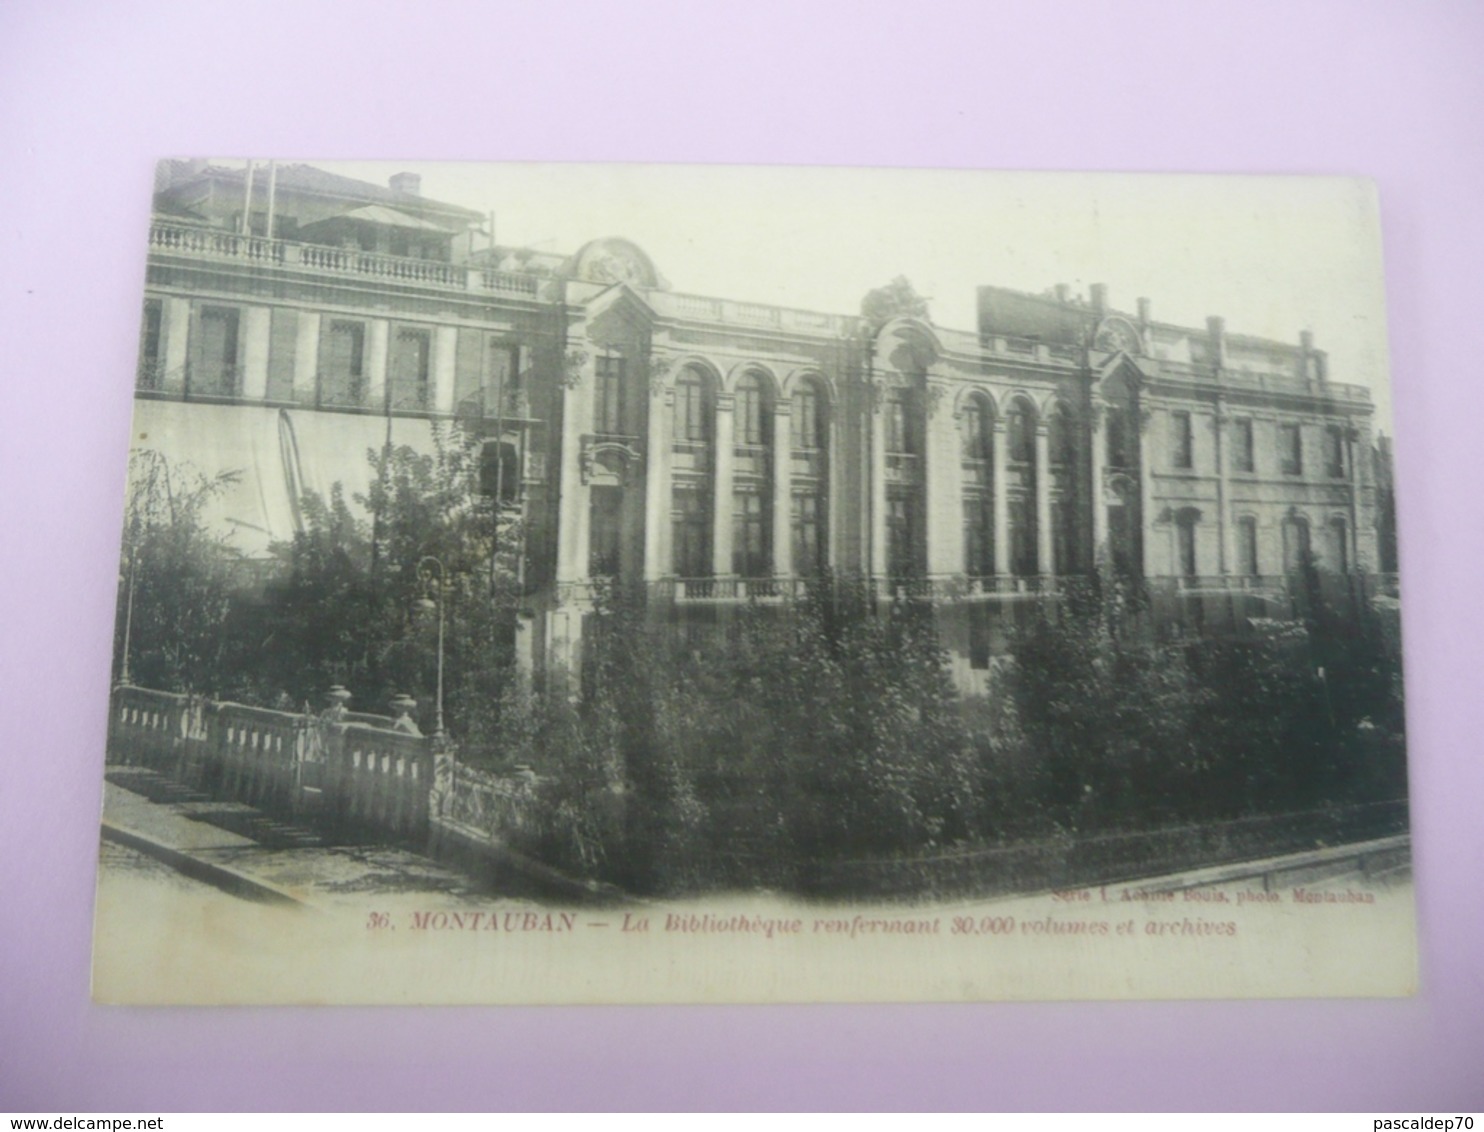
[(424, 571)]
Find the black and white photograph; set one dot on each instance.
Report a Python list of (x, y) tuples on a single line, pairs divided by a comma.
[(622, 583)]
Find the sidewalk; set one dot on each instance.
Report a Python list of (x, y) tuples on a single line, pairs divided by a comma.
[(251, 855)]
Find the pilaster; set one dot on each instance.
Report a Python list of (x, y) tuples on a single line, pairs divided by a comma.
[(783, 545), (177, 342), (378, 336), (656, 483), (306, 358), (1001, 500), (255, 339), (1044, 563), (721, 501), (445, 351), (1228, 560), (943, 489)]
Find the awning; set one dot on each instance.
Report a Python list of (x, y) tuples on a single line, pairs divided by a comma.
[(386, 217)]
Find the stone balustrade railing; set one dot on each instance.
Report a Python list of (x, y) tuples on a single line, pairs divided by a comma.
[(353, 771), (209, 243)]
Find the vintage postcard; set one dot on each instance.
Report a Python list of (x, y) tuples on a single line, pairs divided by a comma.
[(586, 584)]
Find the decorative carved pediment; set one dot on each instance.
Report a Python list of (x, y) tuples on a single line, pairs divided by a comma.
[(1116, 334), (610, 458)]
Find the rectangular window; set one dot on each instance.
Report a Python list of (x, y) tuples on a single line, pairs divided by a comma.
[(902, 433), (1244, 455), (691, 532), (502, 391), (749, 536), (805, 421), (690, 412), (603, 532), (1334, 453), (750, 420), (608, 414), (216, 359), (151, 363), (978, 537), (343, 381), (979, 635), (901, 537), (1185, 533), (807, 534), (1291, 449), (1247, 547), (411, 351), (1339, 547), (1182, 440)]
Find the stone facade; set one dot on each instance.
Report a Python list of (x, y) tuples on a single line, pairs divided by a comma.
[(720, 449)]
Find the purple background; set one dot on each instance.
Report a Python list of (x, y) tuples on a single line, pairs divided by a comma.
[(90, 94)]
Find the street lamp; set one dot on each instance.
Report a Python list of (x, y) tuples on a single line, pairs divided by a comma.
[(424, 573)]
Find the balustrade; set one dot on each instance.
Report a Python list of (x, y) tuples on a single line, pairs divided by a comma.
[(179, 239)]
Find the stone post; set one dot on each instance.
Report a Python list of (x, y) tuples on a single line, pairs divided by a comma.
[(1001, 500), (1044, 564), (783, 548), (721, 486)]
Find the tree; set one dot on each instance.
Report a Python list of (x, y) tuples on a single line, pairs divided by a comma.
[(898, 299), (177, 577), (349, 603)]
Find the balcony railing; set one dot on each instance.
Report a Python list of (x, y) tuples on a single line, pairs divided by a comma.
[(733, 589), (213, 244)]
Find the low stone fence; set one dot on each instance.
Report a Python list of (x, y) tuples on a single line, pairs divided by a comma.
[(355, 775)]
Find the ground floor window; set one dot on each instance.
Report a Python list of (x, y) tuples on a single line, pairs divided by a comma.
[(1185, 542), (1022, 538), (903, 539), (808, 533), (750, 558), (1247, 547), (978, 536), (691, 533), (603, 533)]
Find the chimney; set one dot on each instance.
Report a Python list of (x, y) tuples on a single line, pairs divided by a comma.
[(409, 183), (1306, 340), (1216, 332), (1063, 292), (1144, 307), (1099, 293)]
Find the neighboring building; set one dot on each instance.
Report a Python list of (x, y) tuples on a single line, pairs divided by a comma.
[(721, 449)]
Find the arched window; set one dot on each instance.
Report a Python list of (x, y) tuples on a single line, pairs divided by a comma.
[(1247, 564), (692, 407), (1339, 546), (1020, 436), (753, 422), (809, 496), (752, 479), (691, 461), (1020, 429), (808, 421), (1185, 526), (976, 430), (906, 546), (1295, 543), (1061, 444)]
